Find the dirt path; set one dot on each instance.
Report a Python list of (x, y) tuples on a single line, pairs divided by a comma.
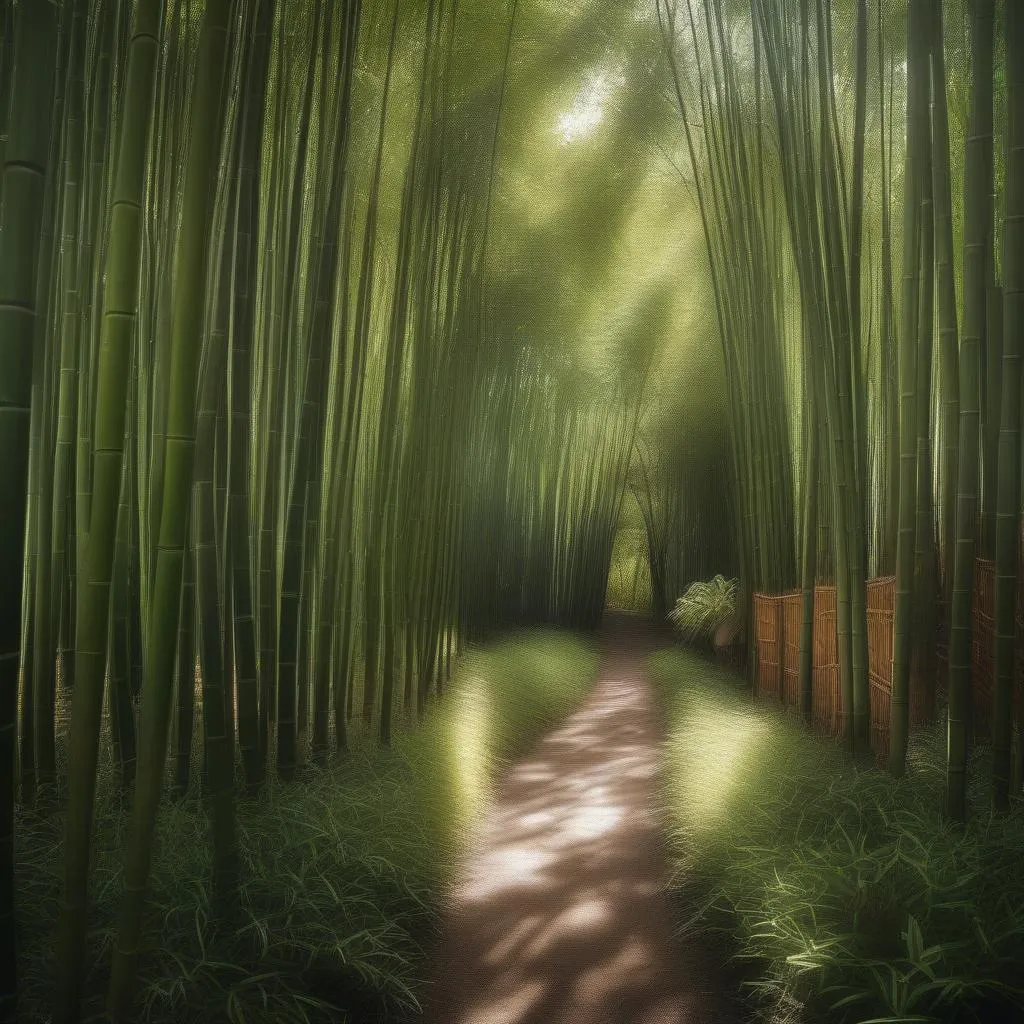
[(560, 915)]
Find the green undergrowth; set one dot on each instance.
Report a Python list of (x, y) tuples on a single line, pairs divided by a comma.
[(343, 872), (705, 606), (845, 894)]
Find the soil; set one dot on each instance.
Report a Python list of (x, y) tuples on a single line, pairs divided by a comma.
[(561, 914)]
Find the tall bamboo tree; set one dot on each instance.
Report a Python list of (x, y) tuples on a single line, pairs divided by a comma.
[(120, 303), (1008, 483), (917, 146), (22, 192), (946, 312), (191, 255), (977, 244)]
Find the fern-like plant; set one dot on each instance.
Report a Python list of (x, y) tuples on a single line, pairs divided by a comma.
[(703, 608)]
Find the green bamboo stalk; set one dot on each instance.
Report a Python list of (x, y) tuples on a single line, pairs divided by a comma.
[(945, 307), (100, 198), (381, 591), (888, 349), (332, 312), (6, 74), (185, 684), (925, 586), (977, 244), (191, 257), (120, 299), (294, 480), (917, 145), (217, 736), (243, 284), (122, 712), (38, 762), (1008, 484), (991, 407), (66, 323), (809, 560), (21, 211), (362, 327)]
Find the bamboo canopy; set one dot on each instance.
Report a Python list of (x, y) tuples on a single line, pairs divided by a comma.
[(337, 337)]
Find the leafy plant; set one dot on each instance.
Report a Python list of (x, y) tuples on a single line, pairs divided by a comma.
[(703, 608), (852, 898), (343, 871)]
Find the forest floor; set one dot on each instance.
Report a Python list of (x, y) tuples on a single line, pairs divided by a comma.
[(561, 913)]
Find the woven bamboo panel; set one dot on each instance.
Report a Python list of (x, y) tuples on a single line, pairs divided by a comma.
[(827, 702), (881, 599), (768, 638), (792, 615), (777, 621)]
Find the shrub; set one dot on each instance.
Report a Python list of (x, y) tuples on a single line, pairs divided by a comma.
[(848, 894), (343, 873), (703, 608)]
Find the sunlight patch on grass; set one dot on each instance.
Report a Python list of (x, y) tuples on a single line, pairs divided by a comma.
[(468, 738), (343, 873), (847, 893), (708, 768)]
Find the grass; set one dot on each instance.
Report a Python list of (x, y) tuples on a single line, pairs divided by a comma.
[(344, 873), (848, 896)]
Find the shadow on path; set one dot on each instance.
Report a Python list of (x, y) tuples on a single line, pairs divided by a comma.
[(560, 914)]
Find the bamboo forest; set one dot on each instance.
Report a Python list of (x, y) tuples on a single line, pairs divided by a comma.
[(511, 511)]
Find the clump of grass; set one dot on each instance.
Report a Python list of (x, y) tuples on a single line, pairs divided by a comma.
[(850, 898), (344, 873), (703, 608)]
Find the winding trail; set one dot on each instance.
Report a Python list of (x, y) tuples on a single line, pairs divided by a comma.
[(561, 915)]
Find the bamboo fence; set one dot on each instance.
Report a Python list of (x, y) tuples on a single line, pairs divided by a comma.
[(777, 619)]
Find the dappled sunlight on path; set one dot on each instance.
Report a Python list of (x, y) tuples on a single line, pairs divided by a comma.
[(561, 914)]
